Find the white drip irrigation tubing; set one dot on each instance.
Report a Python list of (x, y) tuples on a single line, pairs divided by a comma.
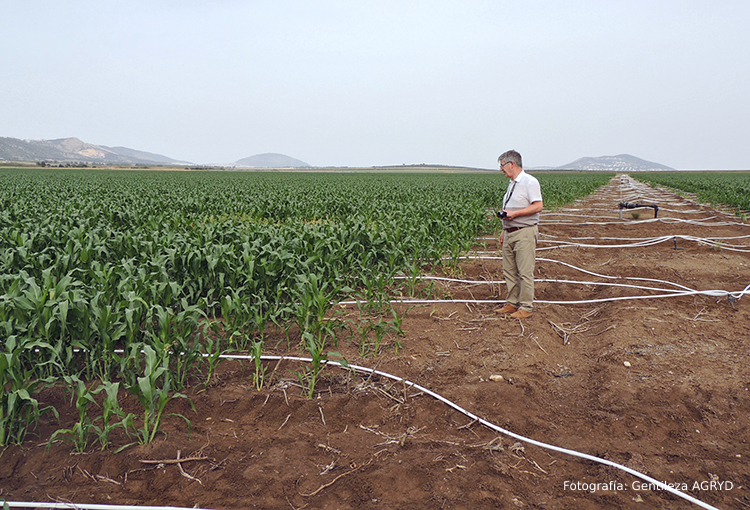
[(90, 506), (649, 242), (472, 416), (611, 277), (545, 280), (733, 296), (580, 269), (449, 403), (544, 218), (703, 222), (645, 241), (679, 292), (646, 238), (722, 293), (608, 208), (494, 427)]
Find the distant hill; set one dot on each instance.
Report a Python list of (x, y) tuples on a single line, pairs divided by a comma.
[(270, 160), (619, 163), (73, 150), (144, 156)]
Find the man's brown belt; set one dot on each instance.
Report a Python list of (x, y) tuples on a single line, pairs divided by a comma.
[(513, 229)]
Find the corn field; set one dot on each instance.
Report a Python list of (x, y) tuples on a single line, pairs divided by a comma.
[(140, 280), (728, 188)]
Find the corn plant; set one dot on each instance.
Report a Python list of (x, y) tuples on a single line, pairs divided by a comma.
[(128, 363), (308, 376), (371, 331), (153, 392), (86, 427), (259, 376), (237, 316), (213, 347), (176, 335), (41, 303), (315, 301), (80, 432), (261, 316), (360, 329), (109, 328), (135, 313), (111, 413), (382, 329), (19, 410), (374, 297)]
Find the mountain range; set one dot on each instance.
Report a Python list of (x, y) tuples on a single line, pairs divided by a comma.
[(75, 151)]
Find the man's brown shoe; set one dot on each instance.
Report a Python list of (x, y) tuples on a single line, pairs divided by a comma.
[(508, 308), (521, 314)]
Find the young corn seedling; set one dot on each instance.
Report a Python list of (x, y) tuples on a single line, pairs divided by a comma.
[(111, 412), (363, 328), (315, 300), (372, 332), (153, 393), (86, 427), (394, 326), (80, 432), (236, 316), (308, 377), (262, 314), (260, 370), (375, 294), (213, 351), (413, 279), (19, 410), (177, 337), (129, 363), (108, 329)]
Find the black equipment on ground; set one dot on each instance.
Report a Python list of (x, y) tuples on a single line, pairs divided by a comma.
[(628, 205)]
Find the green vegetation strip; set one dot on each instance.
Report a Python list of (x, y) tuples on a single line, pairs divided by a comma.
[(729, 188)]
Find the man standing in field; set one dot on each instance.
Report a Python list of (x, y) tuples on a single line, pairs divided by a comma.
[(522, 204)]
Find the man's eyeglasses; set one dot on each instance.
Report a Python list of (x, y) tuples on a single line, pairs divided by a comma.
[(503, 164)]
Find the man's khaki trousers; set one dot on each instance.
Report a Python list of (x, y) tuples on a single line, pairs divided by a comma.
[(519, 257)]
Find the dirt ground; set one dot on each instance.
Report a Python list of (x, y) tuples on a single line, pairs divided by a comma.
[(659, 385)]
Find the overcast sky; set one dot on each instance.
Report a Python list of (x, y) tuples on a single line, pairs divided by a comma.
[(362, 83)]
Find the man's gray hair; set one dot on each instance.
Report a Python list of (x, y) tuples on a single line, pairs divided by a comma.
[(509, 156)]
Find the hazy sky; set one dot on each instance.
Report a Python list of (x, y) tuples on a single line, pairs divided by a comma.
[(361, 83)]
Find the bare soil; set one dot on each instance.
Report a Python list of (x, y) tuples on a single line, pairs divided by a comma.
[(659, 385)]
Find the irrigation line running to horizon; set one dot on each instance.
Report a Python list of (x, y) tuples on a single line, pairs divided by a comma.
[(732, 296), (681, 291), (491, 425), (701, 223), (544, 280), (651, 242), (610, 277)]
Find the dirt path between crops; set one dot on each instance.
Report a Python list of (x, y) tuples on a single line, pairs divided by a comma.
[(659, 385)]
